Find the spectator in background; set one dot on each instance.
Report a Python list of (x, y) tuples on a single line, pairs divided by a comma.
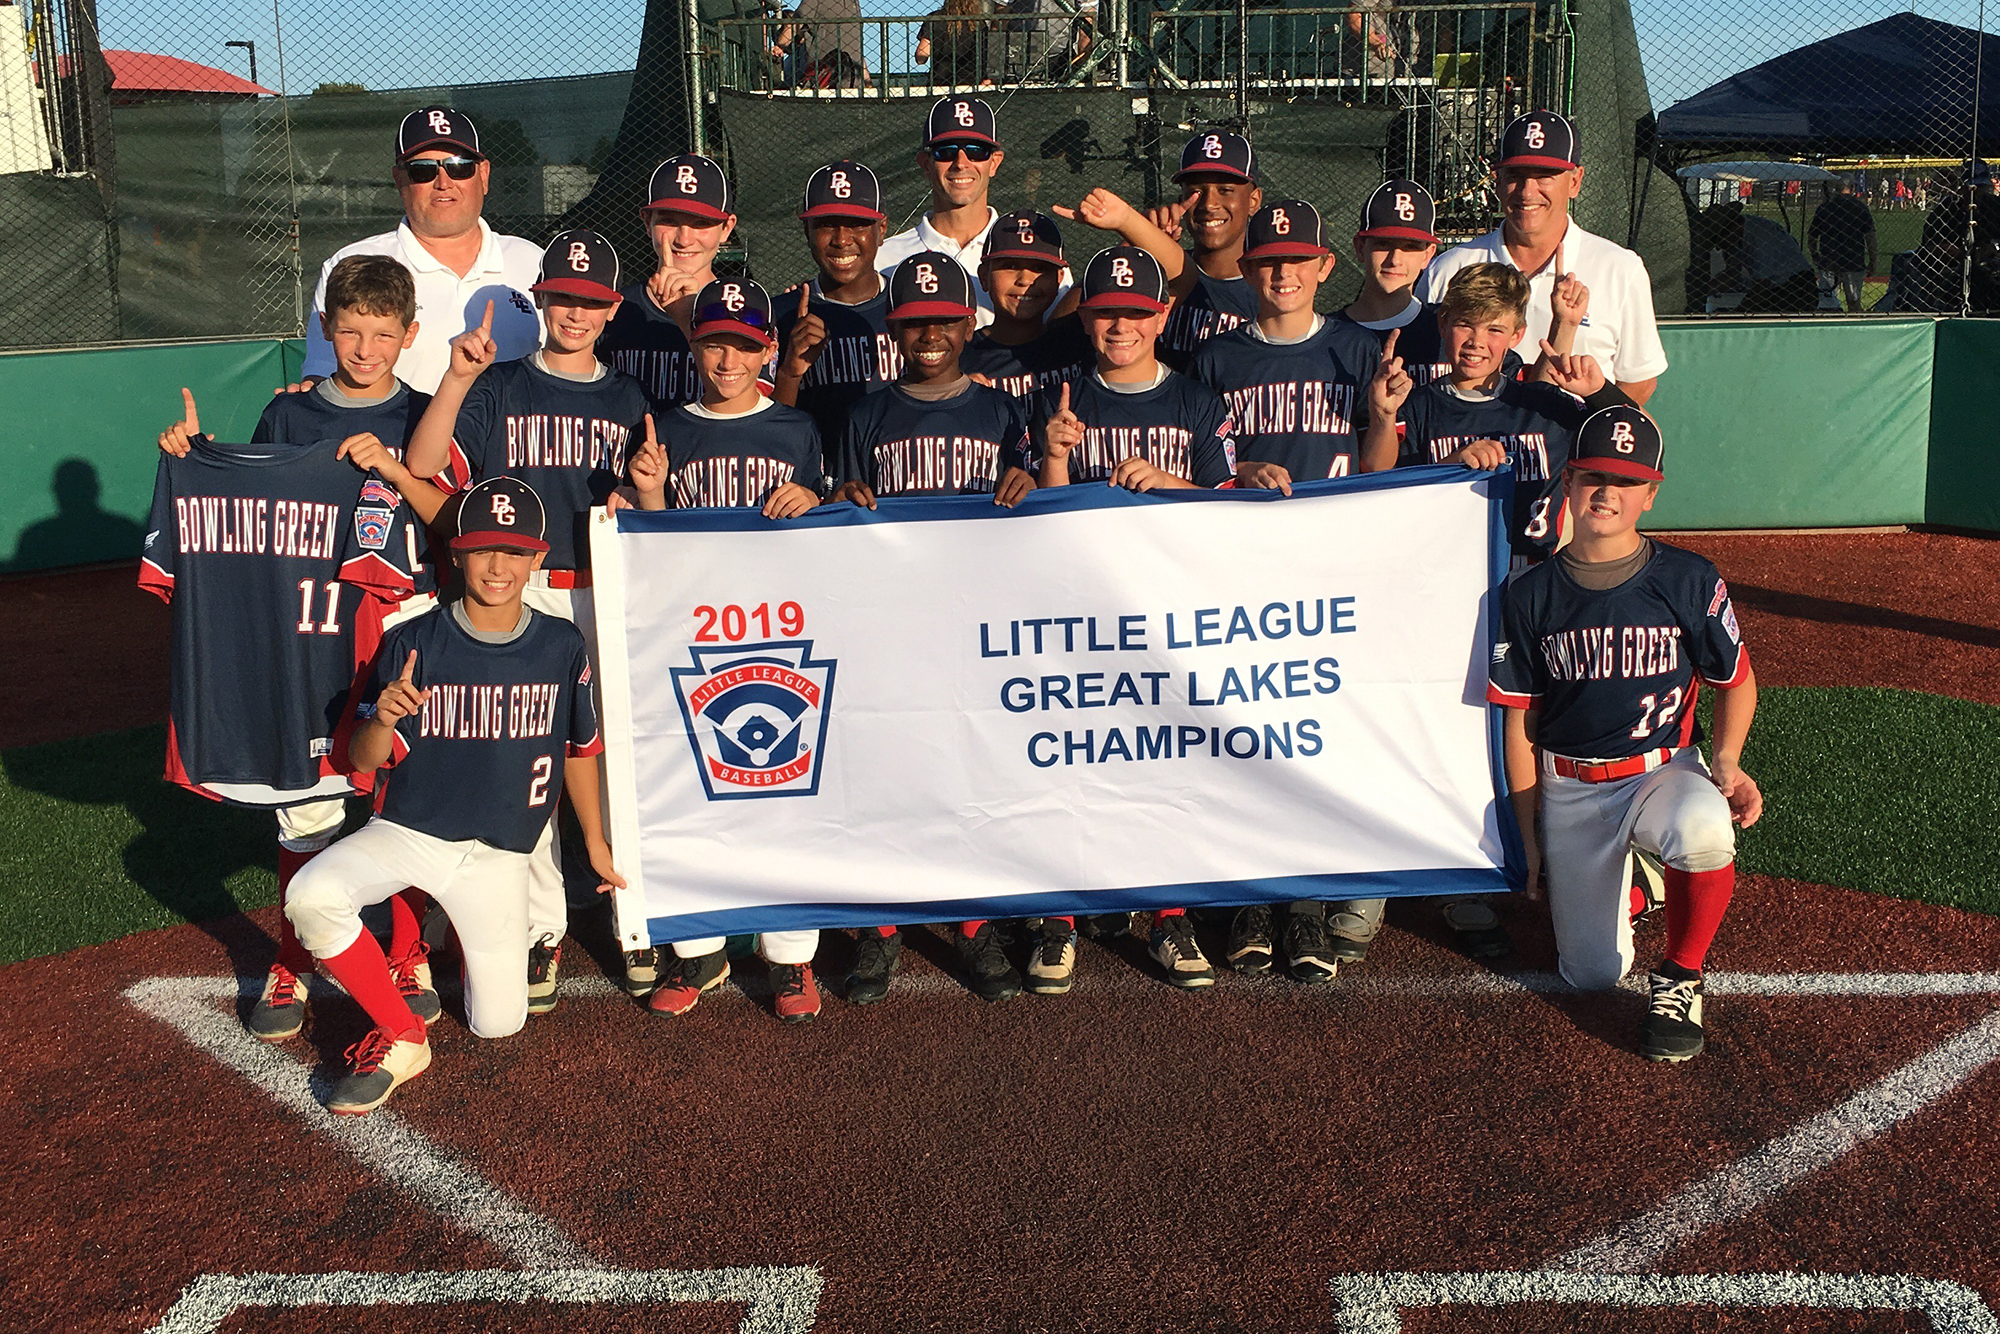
[(1842, 240), (958, 50), (1045, 38), (824, 43)]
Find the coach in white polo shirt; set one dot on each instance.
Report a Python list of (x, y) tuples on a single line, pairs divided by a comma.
[(1539, 172), (458, 261), (960, 157)]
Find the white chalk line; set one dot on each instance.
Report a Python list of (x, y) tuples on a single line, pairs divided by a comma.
[(778, 1300), (1373, 1303)]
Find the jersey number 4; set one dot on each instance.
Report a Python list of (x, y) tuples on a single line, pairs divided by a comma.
[(331, 624), (1669, 706)]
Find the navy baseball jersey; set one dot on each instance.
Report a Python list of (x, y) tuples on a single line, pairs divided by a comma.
[(484, 756), (1615, 672), (309, 416), (1535, 421), (858, 357), (1022, 370), (963, 445), (278, 560), (1178, 426), (644, 342), (1295, 404), (738, 461), (565, 438), (1420, 344), (1213, 306)]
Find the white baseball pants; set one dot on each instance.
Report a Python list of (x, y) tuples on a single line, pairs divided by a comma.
[(548, 906), (790, 947)]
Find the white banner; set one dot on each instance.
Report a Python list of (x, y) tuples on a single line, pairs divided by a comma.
[(944, 710)]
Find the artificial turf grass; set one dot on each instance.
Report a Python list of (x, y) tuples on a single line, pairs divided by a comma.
[(1885, 790)]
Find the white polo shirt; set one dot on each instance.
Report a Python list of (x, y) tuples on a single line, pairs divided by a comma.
[(1619, 331), (447, 305)]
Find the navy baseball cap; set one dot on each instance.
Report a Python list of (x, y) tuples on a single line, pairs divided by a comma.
[(436, 127), (501, 512), (734, 306), (843, 189), (1540, 139), (1124, 277), (580, 263), (964, 120), (1025, 235), (690, 184), (1286, 229), (1399, 211), (1218, 154), (930, 286), (1622, 441)]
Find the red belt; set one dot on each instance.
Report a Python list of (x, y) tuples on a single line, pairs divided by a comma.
[(1611, 770), (568, 578)]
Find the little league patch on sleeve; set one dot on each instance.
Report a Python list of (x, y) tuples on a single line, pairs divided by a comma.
[(371, 528), (756, 718), (375, 491)]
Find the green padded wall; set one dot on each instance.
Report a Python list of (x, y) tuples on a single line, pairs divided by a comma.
[(1794, 424), (80, 451), (1965, 436)]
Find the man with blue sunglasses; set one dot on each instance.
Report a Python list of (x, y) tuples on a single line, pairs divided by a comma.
[(960, 157)]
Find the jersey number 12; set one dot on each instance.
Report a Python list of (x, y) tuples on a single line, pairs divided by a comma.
[(1670, 705)]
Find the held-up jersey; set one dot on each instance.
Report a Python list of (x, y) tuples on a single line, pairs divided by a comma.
[(1295, 404), (308, 416), (1178, 426), (858, 357), (739, 461), (644, 342), (1213, 306), (1615, 672), (963, 445), (484, 757), (277, 560), (565, 438), (1022, 370), (1536, 422)]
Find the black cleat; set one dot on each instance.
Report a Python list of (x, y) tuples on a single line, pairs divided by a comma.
[(1308, 952), (1671, 1030), (985, 965), (1250, 939), (875, 958)]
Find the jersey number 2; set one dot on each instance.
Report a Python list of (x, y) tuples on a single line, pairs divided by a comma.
[(329, 626), (538, 790), (1669, 706)]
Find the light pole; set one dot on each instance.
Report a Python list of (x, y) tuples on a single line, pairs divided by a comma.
[(251, 47)]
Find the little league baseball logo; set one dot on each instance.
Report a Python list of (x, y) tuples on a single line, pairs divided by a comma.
[(756, 717)]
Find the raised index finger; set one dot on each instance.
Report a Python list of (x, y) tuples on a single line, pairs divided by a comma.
[(486, 324), (192, 421), (805, 298), (1389, 343), (410, 668), (1064, 405)]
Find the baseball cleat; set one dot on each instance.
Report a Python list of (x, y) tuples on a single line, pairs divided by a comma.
[(544, 964), (1308, 953), (1104, 925), (875, 958), (412, 974), (1477, 928), (686, 980), (795, 996), (1352, 927), (642, 972), (1250, 939), (281, 1011), (1173, 947), (985, 965), (1671, 1030), (1052, 967), (378, 1065)]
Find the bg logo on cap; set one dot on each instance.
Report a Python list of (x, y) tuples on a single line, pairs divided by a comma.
[(440, 123), (579, 257)]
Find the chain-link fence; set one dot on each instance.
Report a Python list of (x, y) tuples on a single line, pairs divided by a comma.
[(183, 171)]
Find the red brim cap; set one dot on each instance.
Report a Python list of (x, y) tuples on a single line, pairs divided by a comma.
[(1396, 234), (1618, 468), (843, 211), (762, 337), (497, 540), (1538, 160), (1212, 169), (1122, 301), (694, 208), (931, 310), (440, 142), (1287, 250), (582, 287)]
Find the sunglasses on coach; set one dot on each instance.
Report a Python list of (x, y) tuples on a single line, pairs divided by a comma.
[(950, 152), (424, 170)]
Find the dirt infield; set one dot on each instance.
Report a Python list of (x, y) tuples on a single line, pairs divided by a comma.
[(1126, 1158)]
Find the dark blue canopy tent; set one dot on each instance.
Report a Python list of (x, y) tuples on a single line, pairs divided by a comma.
[(1904, 85)]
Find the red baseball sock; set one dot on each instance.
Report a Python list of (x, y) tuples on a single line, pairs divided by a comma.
[(406, 922), (291, 954), (886, 931), (363, 970), (1069, 922), (1170, 912), (1696, 901), (970, 929)]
